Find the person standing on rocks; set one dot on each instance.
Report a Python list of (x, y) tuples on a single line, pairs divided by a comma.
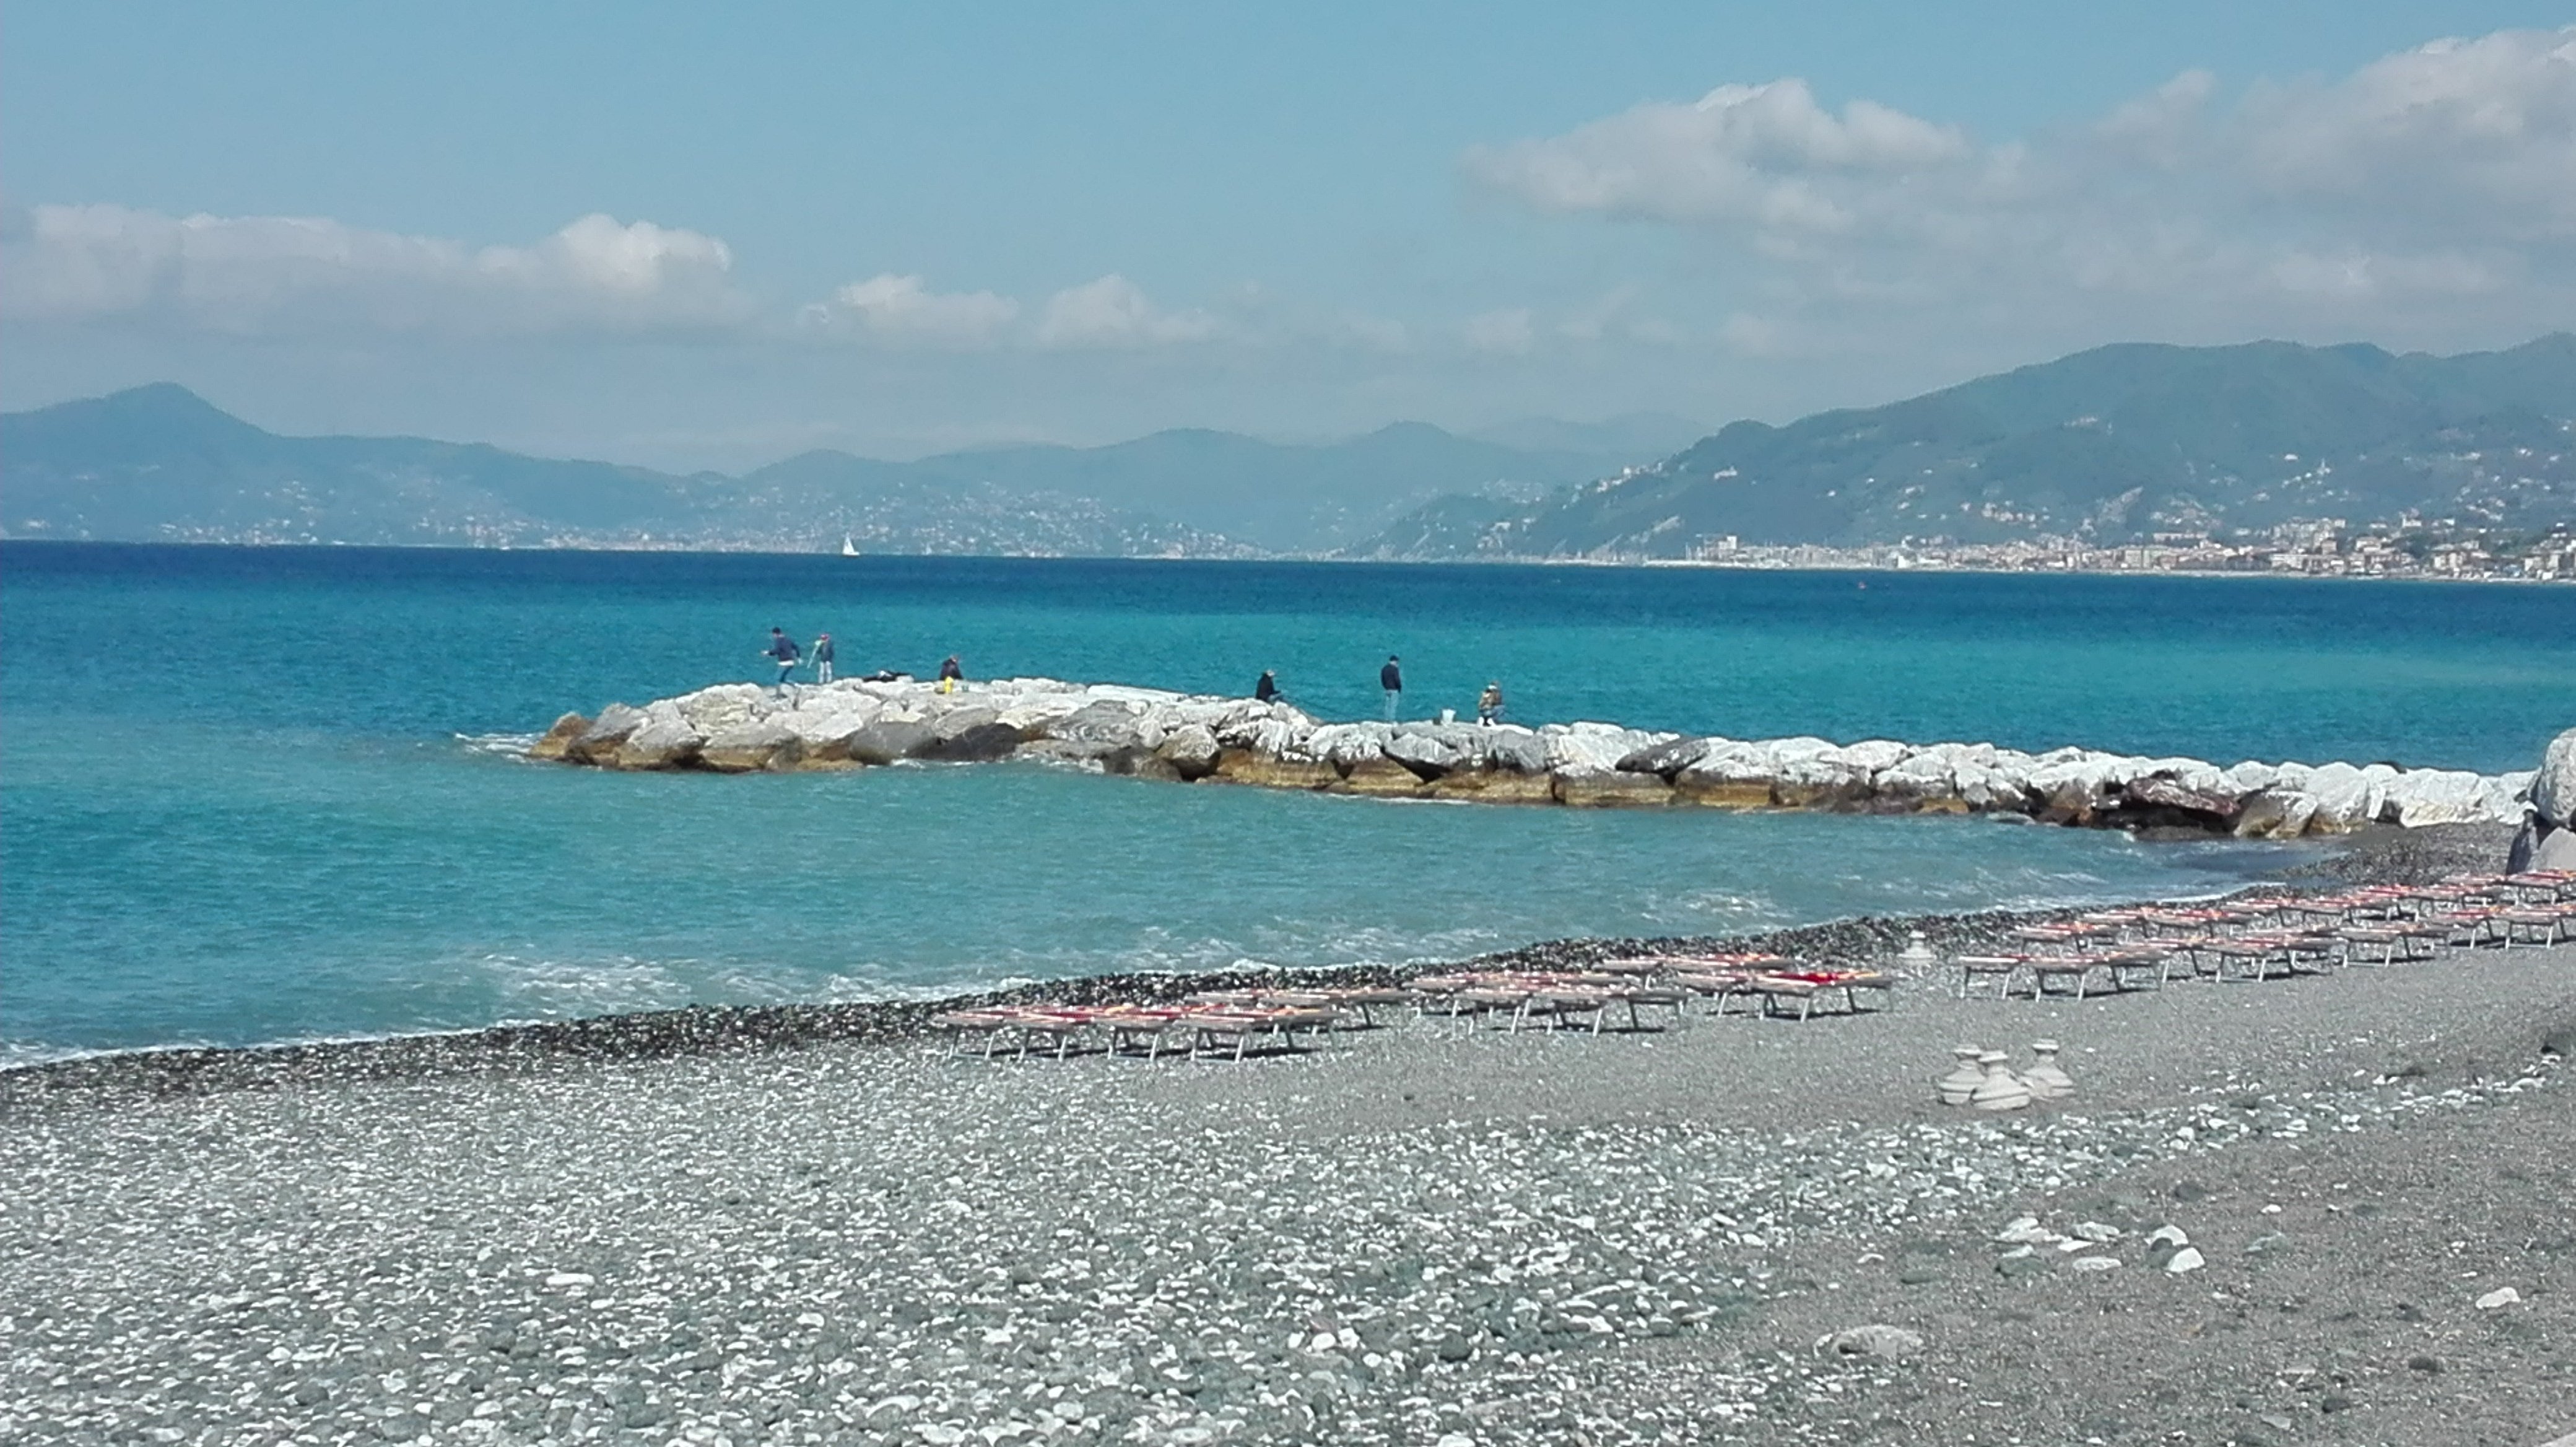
[(1489, 704), (783, 651), (823, 659), (950, 675), (1267, 690), (1391, 678)]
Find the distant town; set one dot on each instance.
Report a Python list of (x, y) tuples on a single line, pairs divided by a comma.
[(2330, 548)]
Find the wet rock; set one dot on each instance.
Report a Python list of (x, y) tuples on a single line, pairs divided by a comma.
[(662, 743), (979, 743), (1191, 750), (887, 740), (557, 741), (1612, 791), (762, 744)]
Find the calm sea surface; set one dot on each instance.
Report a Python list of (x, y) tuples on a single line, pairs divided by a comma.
[(251, 794)]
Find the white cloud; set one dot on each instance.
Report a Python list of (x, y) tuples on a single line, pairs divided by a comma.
[(2423, 189), (1508, 333), (267, 274), (1757, 154), (1115, 312), (902, 309)]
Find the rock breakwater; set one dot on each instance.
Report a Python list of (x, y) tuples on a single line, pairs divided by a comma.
[(742, 728)]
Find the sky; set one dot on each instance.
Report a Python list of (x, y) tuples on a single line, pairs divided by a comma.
[(699, 236)]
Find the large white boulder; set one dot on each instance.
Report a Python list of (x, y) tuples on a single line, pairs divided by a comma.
[(2552, 790), (712, 710), (2437, 796), (1869, 755)]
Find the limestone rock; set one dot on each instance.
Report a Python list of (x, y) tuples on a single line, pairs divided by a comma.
[(977, 743), (1343, 745), (1191, 750), (712, 710), (1729, 775), (1827, 781), (1869, 755), (1668, 759), (1425, 752), (2165, 792), (557, 741), (1595, 747), (1490, 785), (2275, 814), (662, 743), (1242, 766), (1612, 790), (598, 742), (2436, 796), (1383, 776), (1511, 749), (886, 739), (2552, 790), (745, 747)]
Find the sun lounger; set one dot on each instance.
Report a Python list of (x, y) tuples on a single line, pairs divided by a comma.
[(2002, 969)]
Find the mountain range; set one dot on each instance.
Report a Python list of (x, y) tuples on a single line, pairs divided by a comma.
[(159, 463), (2118, 444)]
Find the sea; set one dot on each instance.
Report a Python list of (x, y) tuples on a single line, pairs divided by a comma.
[(258, 795)]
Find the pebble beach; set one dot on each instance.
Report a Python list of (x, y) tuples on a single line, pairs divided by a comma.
[(777, 1227)]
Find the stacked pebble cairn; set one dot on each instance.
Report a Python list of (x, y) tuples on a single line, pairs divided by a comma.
[(1981, 1079)]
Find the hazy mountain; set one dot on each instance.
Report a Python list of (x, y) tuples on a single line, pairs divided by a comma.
[(160, 463), (1611, 444), (1283, 497), (2118, 443)]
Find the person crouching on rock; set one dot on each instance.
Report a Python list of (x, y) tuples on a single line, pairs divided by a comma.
[(1267, 690), (950, 675), (1489, 704), (1391, 678), (823, 659), (783, 651)]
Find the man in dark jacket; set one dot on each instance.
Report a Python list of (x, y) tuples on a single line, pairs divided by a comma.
[(1267, 689), (823, 659), (1391, 678), (783, 651)]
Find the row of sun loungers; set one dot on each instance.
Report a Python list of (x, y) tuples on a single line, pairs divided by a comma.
[(1229, 1023), (2261, 939), (1633, 994)]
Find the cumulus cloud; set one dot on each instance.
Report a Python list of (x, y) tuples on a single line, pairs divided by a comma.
[(267, 274), (2434, 182), (1742, 153), (1114, 312), (1511, 332), (903, 309)]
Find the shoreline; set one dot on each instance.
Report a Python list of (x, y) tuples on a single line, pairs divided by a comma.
[(684, 549), (1416, 1233), (2384, 855)]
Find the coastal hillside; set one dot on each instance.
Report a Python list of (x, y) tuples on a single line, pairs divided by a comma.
[(2116, 445), (161, 464)]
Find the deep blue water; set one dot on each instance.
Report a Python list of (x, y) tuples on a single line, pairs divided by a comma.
[(240, 798)]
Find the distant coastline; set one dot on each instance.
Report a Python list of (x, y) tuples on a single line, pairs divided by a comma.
[(2565, 575)]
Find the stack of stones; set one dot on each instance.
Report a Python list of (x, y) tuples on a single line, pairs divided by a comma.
[(736, 728), (1981, 1079)]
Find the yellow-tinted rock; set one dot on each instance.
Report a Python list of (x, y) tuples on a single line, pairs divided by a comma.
[(1494, 786), (1613, 791), (1722, 793), (1382, 777), (1243, 766), (558, 740)]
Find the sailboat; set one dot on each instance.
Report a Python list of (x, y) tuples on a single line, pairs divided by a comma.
[(849, 549)]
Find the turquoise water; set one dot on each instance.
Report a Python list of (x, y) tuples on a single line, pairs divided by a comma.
[(251, 795)]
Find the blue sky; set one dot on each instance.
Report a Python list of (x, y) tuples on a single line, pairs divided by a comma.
[(693, 235)]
